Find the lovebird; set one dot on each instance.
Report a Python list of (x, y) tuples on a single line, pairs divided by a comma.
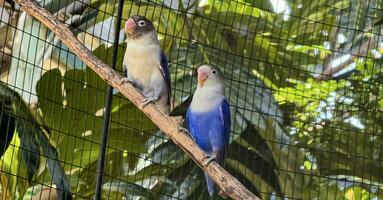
[(145, 64), (208, 117)]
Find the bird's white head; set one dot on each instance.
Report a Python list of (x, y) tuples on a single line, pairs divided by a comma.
[(210, 89), (210, 78)]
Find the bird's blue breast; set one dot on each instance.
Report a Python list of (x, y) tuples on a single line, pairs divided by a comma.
[(210, 129)]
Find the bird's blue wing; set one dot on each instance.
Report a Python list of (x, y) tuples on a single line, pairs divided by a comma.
[(226, 120), (224, 127), (211, 129), (164, 67)]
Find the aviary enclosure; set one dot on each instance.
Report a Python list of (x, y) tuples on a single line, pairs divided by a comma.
[(303, 80)]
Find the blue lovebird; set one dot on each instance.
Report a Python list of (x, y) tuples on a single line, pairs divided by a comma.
[(145, 64), (208, 117)]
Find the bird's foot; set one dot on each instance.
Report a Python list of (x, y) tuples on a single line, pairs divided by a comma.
[(125, 80), (182, 129), (179, 119), (222, 194), (208, 159), (186, 131), (148, 100)]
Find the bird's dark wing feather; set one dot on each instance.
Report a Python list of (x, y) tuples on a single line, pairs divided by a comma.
[(124, 69), (164, 67)]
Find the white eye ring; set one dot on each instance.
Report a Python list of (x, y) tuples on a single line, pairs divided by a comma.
[(214, 71), (141, 23)]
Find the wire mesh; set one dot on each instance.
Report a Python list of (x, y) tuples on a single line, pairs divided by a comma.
[(303, 79)]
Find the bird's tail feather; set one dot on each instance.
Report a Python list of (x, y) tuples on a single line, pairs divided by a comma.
[(210, 184)]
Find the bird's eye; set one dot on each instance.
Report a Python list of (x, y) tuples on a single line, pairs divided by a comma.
[(141, 23), (214, 72)]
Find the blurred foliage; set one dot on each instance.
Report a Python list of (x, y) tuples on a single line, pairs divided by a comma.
[(294, 135), (25, 149)]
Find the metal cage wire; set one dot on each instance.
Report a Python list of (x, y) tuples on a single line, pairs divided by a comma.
[(303, 80)]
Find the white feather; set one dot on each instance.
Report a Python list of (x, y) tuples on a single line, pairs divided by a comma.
[(210, 95), (143, 62), (205, 99), (142, 58)]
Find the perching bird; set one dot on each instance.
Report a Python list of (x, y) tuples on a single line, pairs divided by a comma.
[(145, 64), (208, 117)]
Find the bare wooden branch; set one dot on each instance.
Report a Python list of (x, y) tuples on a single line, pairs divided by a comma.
[(357, 52), (170, 125)]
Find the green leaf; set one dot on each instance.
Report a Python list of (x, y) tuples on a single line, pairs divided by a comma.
[(11, 162), (342, 5), (77, 122), (128, 189)]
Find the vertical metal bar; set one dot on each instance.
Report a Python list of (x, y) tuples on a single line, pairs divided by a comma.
[(105, 126)]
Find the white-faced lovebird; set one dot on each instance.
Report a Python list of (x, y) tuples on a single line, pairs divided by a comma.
[(145, 64), (208, 117)]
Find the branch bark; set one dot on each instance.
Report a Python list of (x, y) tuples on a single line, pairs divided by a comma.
[(357, 52), (170, 125)]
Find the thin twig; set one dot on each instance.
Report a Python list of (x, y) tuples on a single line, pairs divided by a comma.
[(170, 125)]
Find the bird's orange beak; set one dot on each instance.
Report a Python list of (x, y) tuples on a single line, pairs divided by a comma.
[(129, 26), (202, 76)]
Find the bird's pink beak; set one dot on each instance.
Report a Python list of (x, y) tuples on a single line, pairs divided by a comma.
[(202, 76), (129, 25)]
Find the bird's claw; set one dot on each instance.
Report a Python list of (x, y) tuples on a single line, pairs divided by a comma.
[(209, 159), (182, 129), (186, 131), (146, 101), (179, 119), (222, 194), (125, 80)]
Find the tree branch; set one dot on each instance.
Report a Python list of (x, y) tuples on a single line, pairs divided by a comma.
[(357, 52), (170, 125)]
